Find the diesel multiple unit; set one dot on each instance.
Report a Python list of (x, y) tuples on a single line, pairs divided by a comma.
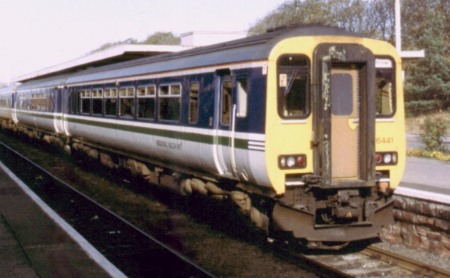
[(300, 128)]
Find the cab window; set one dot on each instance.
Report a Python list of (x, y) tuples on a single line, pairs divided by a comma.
[(385, 87), (293, 86)]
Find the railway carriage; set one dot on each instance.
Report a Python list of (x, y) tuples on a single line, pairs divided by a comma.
[(6, 102), (38, 104), (302, 127)]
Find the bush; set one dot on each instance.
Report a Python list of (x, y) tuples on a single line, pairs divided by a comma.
[(432, 133), (419, 107)]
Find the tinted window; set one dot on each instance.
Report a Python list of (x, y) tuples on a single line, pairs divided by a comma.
[(341, 94)]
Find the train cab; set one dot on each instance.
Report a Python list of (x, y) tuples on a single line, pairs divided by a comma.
[(334, 134)]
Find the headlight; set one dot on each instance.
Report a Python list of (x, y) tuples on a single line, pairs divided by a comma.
[(290, 162), (386, 158), (296, 161)]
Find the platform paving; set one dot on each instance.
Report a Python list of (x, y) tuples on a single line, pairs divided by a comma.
[(32, 244), (427, 179)]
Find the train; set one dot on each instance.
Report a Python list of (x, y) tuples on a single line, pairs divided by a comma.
[(300, 128)]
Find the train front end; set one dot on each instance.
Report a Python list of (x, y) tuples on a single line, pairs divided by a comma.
[(335, 140)]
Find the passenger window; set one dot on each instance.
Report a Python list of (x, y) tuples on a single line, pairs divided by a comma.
[(110, 102), (170, 102), (293, 86), (146, 102), (242, 96), (97, 102), (85, 102), (41, 101), (126, 104), (385, 88), (74, 101), (226, 102), (25, 101), (193, 102)]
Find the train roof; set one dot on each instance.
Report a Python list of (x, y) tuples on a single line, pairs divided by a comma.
[(116, 54), (252, 48), (49, 82)]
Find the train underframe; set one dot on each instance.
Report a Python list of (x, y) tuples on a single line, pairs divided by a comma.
[(308, 215), (329, 218)]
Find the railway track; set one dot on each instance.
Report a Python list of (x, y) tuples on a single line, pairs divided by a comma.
[(372, 261), (131, 250)]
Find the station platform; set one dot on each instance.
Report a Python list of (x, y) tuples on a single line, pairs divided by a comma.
[(32, 244), (428, 179)]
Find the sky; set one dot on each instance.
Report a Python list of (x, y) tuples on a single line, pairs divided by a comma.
[(36, 34)]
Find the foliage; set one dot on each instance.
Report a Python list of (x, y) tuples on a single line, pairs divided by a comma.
[(166, 38), (424, 26), (374, 18), (112, 44), (420, 107), (432, 133), (439, 155)]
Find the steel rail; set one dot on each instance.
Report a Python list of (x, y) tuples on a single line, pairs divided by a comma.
[(117, 239), (404, 262)]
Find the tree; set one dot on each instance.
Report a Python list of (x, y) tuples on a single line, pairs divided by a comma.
[(374, 18), (294, 12), (111, 44), (380, 18), (166, 38), (424, 26), (427, 86)]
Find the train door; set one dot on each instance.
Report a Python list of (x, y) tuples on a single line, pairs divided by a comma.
[(230, 107), (345, 115), (345, 119), (14, 108), (222, 119), (58, 120)]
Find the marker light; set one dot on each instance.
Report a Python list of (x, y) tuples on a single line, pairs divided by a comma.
[(378, 158), (386, 158), (295, 161)]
